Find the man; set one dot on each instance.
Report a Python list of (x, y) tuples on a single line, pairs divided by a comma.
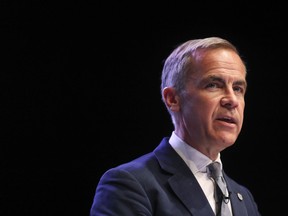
[(203, 87)]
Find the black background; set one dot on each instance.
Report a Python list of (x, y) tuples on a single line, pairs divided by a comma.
[(80, 93)]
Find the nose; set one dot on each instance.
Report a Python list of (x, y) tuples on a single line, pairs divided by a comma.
[(229, 100)]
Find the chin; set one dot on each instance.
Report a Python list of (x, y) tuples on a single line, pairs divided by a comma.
[(228, 140)]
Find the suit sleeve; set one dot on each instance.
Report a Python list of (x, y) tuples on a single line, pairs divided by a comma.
[(119, 193)]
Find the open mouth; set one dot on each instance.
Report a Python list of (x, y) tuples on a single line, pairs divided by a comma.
[(227, 119)]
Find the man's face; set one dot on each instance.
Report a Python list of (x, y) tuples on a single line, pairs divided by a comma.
[(212, 108)]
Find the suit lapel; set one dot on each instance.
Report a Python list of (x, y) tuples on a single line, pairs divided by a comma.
[(182, 180), (236, 198), (190, 193)]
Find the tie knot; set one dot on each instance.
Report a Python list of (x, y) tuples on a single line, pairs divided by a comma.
[(215, 170)]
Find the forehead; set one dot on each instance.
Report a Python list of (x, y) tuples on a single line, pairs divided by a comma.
[(223, 62)]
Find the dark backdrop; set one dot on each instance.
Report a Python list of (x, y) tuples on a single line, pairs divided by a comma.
[(80, 93)]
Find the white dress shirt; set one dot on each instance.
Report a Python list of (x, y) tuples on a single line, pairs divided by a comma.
[(197, 163)]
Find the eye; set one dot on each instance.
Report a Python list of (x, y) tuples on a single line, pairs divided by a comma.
[(213, 85), (239, 89)]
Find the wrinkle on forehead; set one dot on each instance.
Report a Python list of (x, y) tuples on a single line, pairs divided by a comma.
[(220, 60)]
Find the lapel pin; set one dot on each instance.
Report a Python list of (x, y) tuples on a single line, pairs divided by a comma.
[(240, 197)]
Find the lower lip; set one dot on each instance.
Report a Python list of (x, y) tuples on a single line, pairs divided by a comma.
[(227, 124)]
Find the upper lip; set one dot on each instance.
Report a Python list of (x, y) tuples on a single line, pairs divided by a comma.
[(227, 118)]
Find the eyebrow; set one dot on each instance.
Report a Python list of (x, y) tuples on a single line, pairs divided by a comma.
[(219, 79)]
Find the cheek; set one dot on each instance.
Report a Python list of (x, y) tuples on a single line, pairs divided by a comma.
[(199, 106), (241, 109)]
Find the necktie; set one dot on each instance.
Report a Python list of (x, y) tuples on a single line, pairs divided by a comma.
[(220, 194)]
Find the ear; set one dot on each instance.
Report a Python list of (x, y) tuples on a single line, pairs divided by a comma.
[(171, 99)]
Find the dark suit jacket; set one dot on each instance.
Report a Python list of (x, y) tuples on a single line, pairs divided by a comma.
[(161, 184)]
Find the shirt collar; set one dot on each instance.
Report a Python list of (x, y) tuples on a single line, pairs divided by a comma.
[(194, 159)]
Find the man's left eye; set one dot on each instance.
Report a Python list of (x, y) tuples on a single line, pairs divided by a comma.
[(212, 85)]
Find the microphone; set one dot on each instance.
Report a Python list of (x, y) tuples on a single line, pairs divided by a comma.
[(226, 198)]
